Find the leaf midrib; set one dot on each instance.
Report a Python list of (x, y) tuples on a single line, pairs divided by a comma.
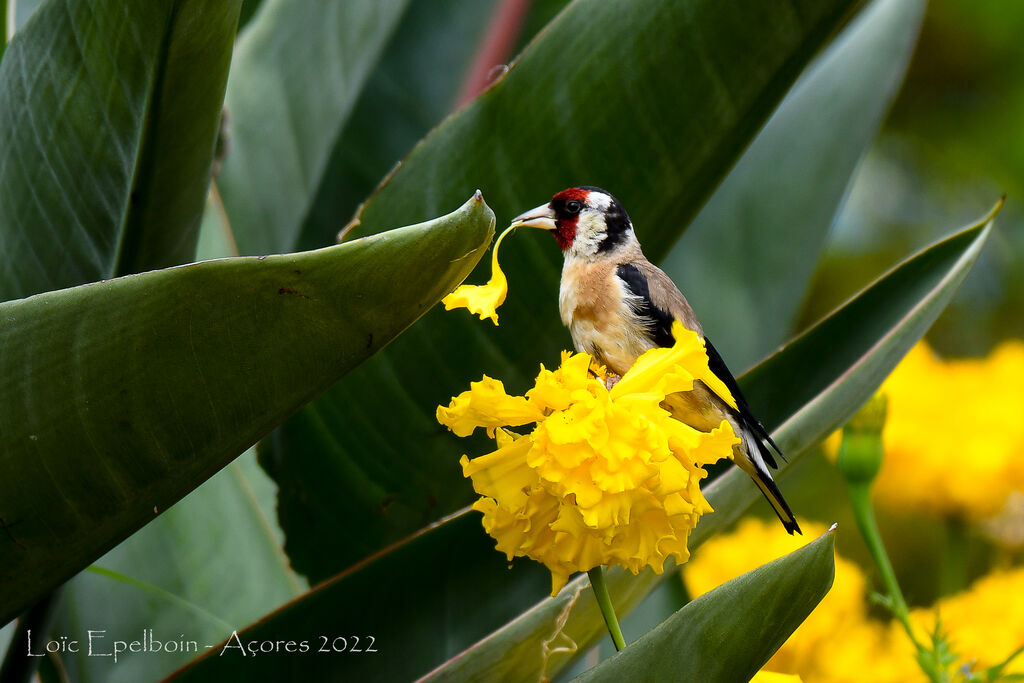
[(126, 256)]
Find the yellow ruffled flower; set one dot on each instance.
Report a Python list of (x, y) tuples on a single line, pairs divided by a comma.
[(483, 300), (605, 477), (954, 435)]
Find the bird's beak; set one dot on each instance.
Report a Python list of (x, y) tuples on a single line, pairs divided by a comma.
[(541, 217)]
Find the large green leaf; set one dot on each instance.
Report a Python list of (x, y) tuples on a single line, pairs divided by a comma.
[(747, 260), (401, 599), (184, 579), (108, 115), (653, 100), (813, 385), (297, 71), (122, 396), (728, 634), (410, 91), (210, 563), (108, 163), (830, 359)]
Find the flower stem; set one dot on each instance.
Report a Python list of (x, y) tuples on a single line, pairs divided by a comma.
[(863, 512), (604, 601)]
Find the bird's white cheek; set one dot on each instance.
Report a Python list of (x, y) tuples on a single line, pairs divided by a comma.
[(590, 232)]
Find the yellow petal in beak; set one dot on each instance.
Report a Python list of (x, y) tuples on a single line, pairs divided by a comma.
[(483, 300)]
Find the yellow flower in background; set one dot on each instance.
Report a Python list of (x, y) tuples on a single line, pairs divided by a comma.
[(483, 300), (607, 477), (985, 623), (954, 435), (772, 677), (870, 650), (840, 643)]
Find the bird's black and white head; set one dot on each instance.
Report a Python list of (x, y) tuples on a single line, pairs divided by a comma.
[(586, 221)]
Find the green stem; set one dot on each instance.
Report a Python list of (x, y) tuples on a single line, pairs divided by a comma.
[(604, 601), (995, 672), (864, 513)]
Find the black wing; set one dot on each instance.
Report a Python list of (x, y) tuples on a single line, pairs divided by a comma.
[(659, 320), (660, 331)]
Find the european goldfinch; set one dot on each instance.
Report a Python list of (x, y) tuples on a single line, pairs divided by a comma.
[(617, 305)]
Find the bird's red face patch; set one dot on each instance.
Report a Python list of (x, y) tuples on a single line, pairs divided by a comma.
[(567, 205)]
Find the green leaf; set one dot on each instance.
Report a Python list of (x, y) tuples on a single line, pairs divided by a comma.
[(411, 90), (452, 580), (811, 385), (878, 327), (295, 76), (249, 8), (3, 27), (729, 633), (105, 153), (653, 102), (198, 585), (183, 579), (747, 260), (662, 94), (122, 396), (427, 570)]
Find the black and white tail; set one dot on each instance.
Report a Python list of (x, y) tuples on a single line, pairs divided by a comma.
[(759, 455)]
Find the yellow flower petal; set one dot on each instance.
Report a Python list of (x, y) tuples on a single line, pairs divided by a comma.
[(483, 300), (667, 371), (487, 405), (503, 474), (605, 477)]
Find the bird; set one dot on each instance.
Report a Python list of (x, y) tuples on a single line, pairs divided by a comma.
[(618, 305)]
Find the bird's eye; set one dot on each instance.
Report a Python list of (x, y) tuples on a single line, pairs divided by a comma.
[(573, 206)]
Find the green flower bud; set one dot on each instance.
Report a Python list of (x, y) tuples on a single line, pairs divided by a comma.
[(860, 453)]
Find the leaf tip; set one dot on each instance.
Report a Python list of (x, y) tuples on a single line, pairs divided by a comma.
[(994, 211), (476, 204)]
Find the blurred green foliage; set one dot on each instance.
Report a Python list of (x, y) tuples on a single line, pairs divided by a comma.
[(951, 143), (949, 147)]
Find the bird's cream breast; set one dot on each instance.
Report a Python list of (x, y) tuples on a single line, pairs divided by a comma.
[(594, 306)]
